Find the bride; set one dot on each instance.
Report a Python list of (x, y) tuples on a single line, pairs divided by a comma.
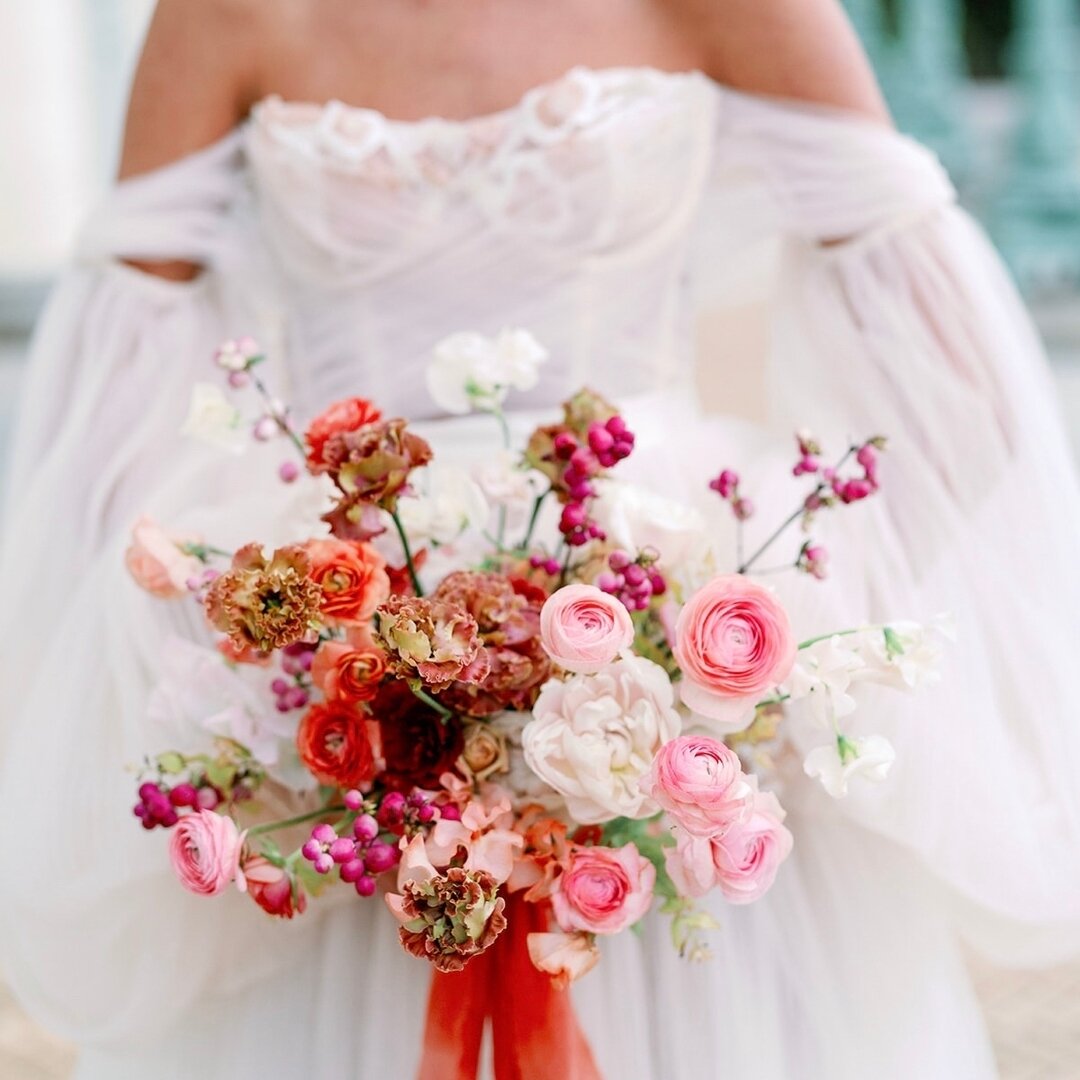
[(630, 180)]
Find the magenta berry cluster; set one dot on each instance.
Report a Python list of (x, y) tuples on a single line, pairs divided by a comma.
[(406, 815), (813, 560), (360, 858), (162, 806), (726, 485), (198, 583), (634, 581), (847, 489), (606, 444), (294, 692), (545, 563)]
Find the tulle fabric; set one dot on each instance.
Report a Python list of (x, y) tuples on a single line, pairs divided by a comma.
[(889, 313)]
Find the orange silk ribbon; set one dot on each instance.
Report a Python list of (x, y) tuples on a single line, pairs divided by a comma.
[(534, 1031)]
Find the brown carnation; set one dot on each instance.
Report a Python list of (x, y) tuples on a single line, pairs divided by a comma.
[(265, 605), (451, 918), (431, 640), (372, 464)]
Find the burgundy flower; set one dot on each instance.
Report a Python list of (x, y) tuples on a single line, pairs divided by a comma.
[(418, 743)]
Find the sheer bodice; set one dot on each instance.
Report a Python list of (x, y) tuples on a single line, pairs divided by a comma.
[(612, 213)]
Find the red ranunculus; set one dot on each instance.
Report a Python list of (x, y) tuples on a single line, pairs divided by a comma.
[(335, 742), (349, 414)]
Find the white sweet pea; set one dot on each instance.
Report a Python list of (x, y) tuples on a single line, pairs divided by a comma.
[(199, 692), (821, 677), (213, 419), (593, 737), (448, 501), (471, 371), (905, 655), (839, 761)]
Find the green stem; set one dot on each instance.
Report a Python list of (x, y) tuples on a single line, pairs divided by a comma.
[(565, 565), (825, 637), (408, 553), (287, 823), (533, 518), (430, 701), (283, 427)]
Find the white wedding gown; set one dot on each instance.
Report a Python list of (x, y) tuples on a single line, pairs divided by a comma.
[(614, 213)]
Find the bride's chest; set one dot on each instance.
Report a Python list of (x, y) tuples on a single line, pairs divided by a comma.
[(596, 164)]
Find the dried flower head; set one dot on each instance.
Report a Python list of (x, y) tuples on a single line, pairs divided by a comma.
[(452, 917), (265, 604), (431, 640)]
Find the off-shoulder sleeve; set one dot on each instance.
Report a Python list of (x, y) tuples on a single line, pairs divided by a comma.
[(892, 313), (98, 942)]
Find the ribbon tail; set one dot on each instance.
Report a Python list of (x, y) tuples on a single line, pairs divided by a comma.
[(456, 1014), (535, 1032)]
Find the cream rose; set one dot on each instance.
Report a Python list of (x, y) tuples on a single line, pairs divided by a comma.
[(593, 737)]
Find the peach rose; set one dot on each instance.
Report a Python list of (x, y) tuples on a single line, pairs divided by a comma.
[(156, 561), (733, 643), (583, 628), (349, 414), (603, 890), (700, 782), (742, 862), (348, 674), (336, 744), (205, 852), (352, 577), (565, 957)]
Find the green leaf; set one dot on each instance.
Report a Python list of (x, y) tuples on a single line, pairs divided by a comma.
[(894, 647), (171, 762)]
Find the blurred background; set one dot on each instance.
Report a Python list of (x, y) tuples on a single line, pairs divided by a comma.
[(991, 85)]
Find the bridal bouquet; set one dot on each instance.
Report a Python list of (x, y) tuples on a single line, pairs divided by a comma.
[(457, 690)]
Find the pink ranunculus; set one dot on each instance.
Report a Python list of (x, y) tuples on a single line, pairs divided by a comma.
[(700, 782), (205, 851), (583, 628), (565, 957), (156, 561), (733, 643), (603, 890), (742, 863)]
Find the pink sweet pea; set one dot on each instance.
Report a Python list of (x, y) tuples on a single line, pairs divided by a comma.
[(603, 890), (484, 833), (733, 643), (157, 563), (205, 851), (742, 863), (699, 781), (583, 628), (272, 888)]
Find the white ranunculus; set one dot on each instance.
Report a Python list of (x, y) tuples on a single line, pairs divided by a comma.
[(447, 502), (213, 419), (822, 676), (905, 655), (470, 371), (834, 764), (593, 737)]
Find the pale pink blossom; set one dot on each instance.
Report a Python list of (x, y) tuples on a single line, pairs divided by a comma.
[(583, 628), (565, 957), (205, 851), (157, 561), (485, 833), (733, 643), (603, 890), (700, 782)]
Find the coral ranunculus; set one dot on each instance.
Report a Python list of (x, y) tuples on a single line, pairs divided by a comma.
[(352, 577), (349, 414), (205, 851), (272, 888), (733, 643), (348, 674), (338, 744)]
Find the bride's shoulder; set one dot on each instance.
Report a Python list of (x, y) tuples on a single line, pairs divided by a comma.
[(804, 50)]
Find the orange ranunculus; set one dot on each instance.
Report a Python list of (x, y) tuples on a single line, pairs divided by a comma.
[(349, 414), (349, 674), (352, 577), (335, 742)]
